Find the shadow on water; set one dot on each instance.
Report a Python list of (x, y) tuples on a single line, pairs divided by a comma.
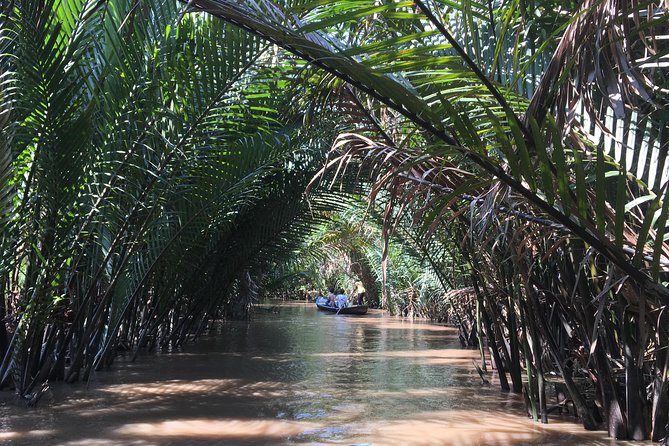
[(297, 377)]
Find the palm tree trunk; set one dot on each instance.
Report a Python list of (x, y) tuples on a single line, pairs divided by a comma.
[(581, 406), (613, 412), (636, 405), (661, 389)]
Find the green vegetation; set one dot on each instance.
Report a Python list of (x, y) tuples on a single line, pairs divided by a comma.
[(501, 164)]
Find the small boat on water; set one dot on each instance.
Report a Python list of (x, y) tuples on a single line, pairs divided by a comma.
[(353, 309)]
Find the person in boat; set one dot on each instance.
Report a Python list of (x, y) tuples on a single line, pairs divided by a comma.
[(332, 297), (359, 292), (341, 299)]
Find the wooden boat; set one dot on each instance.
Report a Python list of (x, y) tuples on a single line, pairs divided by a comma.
[(354, 309)]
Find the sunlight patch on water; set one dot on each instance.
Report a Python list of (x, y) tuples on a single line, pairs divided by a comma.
[(432, 356), (432, 353), (218, 429), (107, 442), (173, 387), (473, 427), (230, 387), (384, 322), (29, 434)]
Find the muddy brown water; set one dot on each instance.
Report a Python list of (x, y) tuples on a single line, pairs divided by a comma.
[(293, 377)]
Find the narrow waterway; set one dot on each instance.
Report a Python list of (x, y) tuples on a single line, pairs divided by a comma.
[(293, 377)]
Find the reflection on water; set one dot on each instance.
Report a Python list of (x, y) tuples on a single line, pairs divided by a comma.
[(297, 377)]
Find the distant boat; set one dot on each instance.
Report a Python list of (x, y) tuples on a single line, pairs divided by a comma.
[(354, 309)]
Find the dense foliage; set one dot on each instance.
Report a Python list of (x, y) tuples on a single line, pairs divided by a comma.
[(150, 174)]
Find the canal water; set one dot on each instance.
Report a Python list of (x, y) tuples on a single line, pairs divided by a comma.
[(292, 377)]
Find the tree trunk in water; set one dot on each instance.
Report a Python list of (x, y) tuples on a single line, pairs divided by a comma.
[(501, 371), (479, 334), (617, 424), (4, 338), (582, 408), (494, 352), (495, 332), (514, 346), (660, 417), (532, 331), (637, 420)]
